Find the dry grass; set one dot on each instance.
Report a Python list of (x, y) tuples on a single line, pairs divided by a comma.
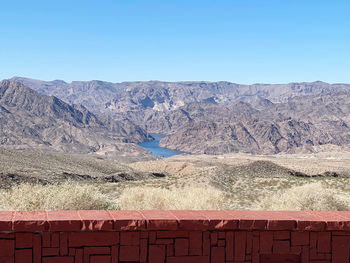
[(66, 196), (178, 198), (312, 196)]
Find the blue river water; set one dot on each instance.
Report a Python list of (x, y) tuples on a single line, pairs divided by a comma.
[(155, 149)]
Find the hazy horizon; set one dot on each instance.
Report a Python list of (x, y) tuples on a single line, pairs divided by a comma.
[(169, 81)]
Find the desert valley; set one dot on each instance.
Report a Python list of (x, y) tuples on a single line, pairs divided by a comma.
[(226, 145)]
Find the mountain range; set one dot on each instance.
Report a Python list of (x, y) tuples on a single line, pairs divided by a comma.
[(214, 117), (29, 119)]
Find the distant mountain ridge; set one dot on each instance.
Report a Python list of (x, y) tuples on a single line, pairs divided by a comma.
[(101, 96), (220, 117), (32, 120)]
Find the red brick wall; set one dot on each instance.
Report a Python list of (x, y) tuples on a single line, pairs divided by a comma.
[(174, 236)]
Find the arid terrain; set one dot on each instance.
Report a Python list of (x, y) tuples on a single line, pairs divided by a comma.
[(258, 146), (231, 181)]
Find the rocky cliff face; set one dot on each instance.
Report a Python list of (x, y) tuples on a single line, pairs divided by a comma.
[(299, 124), (31, 120)]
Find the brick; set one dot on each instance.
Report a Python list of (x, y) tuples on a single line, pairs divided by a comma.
[(181, 247), (281, 225), (305, 254), (221, 243), (295, 250), (279, 258), (266, 242), (340, 249), (249, 220), (313, 240), (340, 233), (30, 221), (206, 243), (55, 240), (281, 247), (195, 240), (190, 220), (96, 220), (240, 245), (50, 251), (7, 235), (221, 235), (311, 226), (334, 220), (255, 249), (37, 248), (129, 253), (115, 253), (143, 234), (156, 254), (248, 224), (324, 242), (143, 250), (100, 259), (128, 220), (189, 259), (160, 219), (249, 243), (281, 235), (6, 220), (79, 255), (229, 245), (300, 238), (63, 243), (218, 254), (23, 256), (313, 255), (79, 239), (130, 238), (24, 240), (310, 221), (7, 250), (321, 257), (256, 233), (64, 221), (152, 237), (58, 260), (95, 251), (170, 250), (46, 239), (164, 241), (172, 234), (213, 239), (220, 220)]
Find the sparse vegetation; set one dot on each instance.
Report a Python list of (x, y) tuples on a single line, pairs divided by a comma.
[(312, 196), (177, 198), (237, 181), (66, 196)]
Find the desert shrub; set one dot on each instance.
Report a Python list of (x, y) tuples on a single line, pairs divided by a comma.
[(177, 198), (312, 196), (66, 196)]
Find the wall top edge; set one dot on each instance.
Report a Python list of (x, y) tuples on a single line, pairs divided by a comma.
[(129, 220)]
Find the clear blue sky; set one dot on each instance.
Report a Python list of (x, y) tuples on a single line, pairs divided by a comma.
[(243, 41)]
